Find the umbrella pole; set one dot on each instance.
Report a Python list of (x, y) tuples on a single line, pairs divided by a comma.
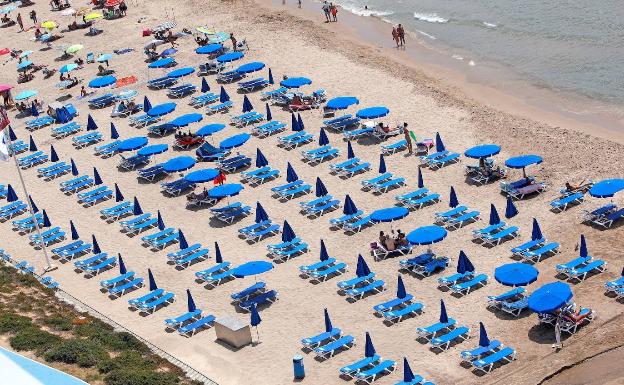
[(257, 334)]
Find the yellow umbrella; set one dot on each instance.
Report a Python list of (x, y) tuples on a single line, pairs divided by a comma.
[(205, 30), (50, 25), (74, 48), (93, 16)]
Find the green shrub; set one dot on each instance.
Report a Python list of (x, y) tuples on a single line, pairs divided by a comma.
[(85, 353), (143, 377), (104, 334), (58, 323), (33, 338), (11, 322), (127, 360)]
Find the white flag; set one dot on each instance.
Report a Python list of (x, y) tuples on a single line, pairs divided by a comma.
[(4, 150)]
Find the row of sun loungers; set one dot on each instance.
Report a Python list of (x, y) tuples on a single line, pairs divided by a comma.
[(88, 139), (53, 171), (604, 216), (259, 176), (285, 250), (66, 130), (231, 212), (349, 167), (493, 235), (31, 160), (246, 119), (295, 140), (320, 154), (382, 183), (418, 199), (290, 190), (424, 264), (319, 206), (323, 270)]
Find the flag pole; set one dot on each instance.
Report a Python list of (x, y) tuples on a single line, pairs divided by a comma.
[(49, 266)]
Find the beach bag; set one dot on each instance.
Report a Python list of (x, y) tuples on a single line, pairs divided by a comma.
[(147, 32)]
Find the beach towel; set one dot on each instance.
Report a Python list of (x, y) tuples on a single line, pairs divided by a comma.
[(123, 51), (126, 81)]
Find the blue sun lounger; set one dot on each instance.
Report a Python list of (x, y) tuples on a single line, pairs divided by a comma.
[(266, 297), (69, 246), (527, 246), (514, 294), (486, 364), (191, 316), (370, 375), (218, 278), (128, 223), (87, 139), (190, 329), (430, 267), (416, 194), (93, 260), (437, 163), (102, 101), (134, 303), (177, 187), (162, 82), (13, 210), (150, 306), (464, 288), (156, 239), (342, 220), (383, 187), (174, 255), (393, 303), (32, 161), (337, 167), (18, 147), (245, 294), (480, 233), (118, 211), (74, 252), (321, 339), (357, 133), (65, 130), (213, 270), (107, 150), (496, 238), (28, 224), (356, 226), (143, 120), (221, 107), (203, 99), (92, 270), (349, 371), (48, 237), (353, 282), (273, 93), (468, 356), (389, 149), (229, 76), (397, 314), (298, 141), (451, 280), (76, 184), (120, 279), (293, 192), (254, 227), (269, 128), (444, 216), (188, 260), (580, 273), (459, 221), (305, 270), (119, 290), (138, 227), (590, 216), (152, 173), (49, 283), (330, 349), (350, 171), (608, 220), (537, 254), (264, 177), (562, 268), (443, 342), (285, 254), (323, 274), (258, 234), (561, 204), (38, 123), (369, 183), (614, 286), (181, 91), (515, 307), (425, 159), (252, 85)]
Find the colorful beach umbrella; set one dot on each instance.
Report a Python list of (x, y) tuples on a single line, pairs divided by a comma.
[(72, 49)]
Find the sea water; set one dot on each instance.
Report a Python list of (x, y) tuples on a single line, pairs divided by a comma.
[(567, 45)]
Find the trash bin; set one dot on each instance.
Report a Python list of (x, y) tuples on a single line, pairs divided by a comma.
[(298, 367)]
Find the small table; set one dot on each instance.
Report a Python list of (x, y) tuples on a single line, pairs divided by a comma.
[(233, 331)]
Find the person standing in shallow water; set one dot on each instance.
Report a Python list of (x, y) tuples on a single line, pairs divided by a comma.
[(326, 10), (395, 36), (334, 12), (401, 33)]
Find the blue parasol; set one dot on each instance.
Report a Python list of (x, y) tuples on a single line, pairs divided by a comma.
[(225, 190), (350, 153), (118, 195), (250, 67), (494, 217), (204, 86), (181, 72), (182, 240), (25, 95), (323, 139), (287, 232), (261, 214), (421, 182), (114, 134), (427, 235), (321, 191), (328, 324), (516, 274), (453, 201), (293, 122), (362, 269), (32, 146), (147, 105), (218, 256), (323, 255), (291, 175), (349, 207), (252, 268), (269, 115), (178, 164), (136, 207), (254, 317), (382, 164), (583, 248), (190, 302), (511, 210), (132, 144), (484, 341), (300, 122), (122, 265), (271, 81), (210, 129), (341, 102), (96, 246), (234, 141), (230, 57), (153, 149), (295, 82), (160, 222), (261, 160), (152, 281), (91, 123), (202, 176), (523, 161), (536, 232), (97, 180), (162, 109), (53, 155), (607, 188), (247, 106), (369, 349), (372, 112), (443, 315), (68, 68), (401, 292), (463, 263), (223, 96), (482, 151), (103, 81), (389, 214), (550, 297), (209, 49), (11, 195), (34, 207), (160, 63), (186, 119), (439, 143), (408, 375)]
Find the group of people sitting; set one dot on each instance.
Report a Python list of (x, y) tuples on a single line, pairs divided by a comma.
[(391, 241), (25, 107), (56, 5)]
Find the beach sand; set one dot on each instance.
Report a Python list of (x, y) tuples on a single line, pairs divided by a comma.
[(295, 44)]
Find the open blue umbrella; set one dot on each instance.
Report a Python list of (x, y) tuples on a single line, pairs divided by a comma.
[(494, 217), (153, 149), (261, 214), (223, 96), (96, 246), (122, 265), (350, 153), (482, 151), (11, 195), (463, 263), (91, 123), (250, 67), (287, 232), (74, 168), (269, 115), (443, 315), (291, 175), (382, 164), (349, 207), (97, 180), (583, 248), (341, 102), (362, 269), (160, 63), (550, 297), (511, 210), (209, 49), (523, 161), (118, 195), (210, 129), (53, 155), (323, 139), (202, 176), (178, 164), (204, 86), (300, 122), (295, 82), (369, 349), (168, 52), (372, 112), (427, 235), (293, 122), (516, 274), (261, 160), (218, 256), (408, 375), (271, 81), (152, 281), (73, 231), (234, 141), (453, 201), (114, 134), (536, 232), (181, 72), (247, 106), (32, 146), (389, 214), (321, 191), (439, 143), (607, 188), (136, 207), (162, 109), (252, 268), (146, 104), (328, 324), (103, 81), (186, 119), (230, 57), (484, 341), (225, 190), (160, 222), (401, 292), (23, 65), (183, 243), (323, 255), (34, 207), (421, 182), (132, 144), (190, 302)]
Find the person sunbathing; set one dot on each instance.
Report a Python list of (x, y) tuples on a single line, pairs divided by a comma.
[(401, 240), (575, 316), (381, 127), (73, 26), (574, 188)]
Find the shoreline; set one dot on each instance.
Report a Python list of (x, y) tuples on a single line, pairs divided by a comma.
[(488, 83)]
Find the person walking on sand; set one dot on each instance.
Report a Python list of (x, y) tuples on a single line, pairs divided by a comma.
[(33, 16), (326, 10), (299, 3), (401, 33), (334, 12), (19, 21), (233, 39), (395, 36), (408, 138)]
